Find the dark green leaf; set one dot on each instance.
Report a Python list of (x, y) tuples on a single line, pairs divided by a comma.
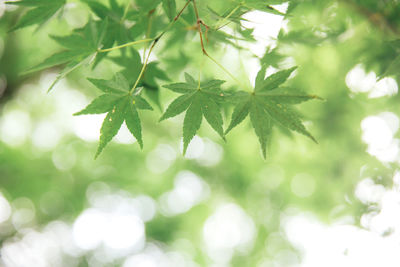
[(262, 125), (41, 11), (191, 122), (132, 121), (101, 104)]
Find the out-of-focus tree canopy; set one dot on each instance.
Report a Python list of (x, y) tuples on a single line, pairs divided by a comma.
[(226, 98)]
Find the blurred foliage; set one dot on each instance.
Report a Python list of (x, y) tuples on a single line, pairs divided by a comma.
[(325, 39)]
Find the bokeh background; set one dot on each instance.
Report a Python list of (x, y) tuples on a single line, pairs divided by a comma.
[(332, 204)]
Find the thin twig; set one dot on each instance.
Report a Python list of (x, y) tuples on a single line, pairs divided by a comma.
[(125, 11), (125, 45), (224, 20), (199, 23), (225, 70), (143, 68), (155, 41), (151, 12)]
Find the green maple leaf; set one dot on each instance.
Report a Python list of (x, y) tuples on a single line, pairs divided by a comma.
[(199, 100), (40, 12), (269, 104), (80, 47), (132, 65), (116, 30), (120, 105)]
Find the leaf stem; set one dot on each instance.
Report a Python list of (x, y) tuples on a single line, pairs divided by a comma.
[(144, 67), (225, 70), (199, 23), (147, 39), (222, 22), (180, 12), (155, 41), (125, 45), (125, 11), (148, 29)]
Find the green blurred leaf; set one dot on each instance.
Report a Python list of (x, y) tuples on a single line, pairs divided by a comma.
[(40, 12), (169, 8)]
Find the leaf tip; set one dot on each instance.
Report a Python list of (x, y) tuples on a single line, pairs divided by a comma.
[(185, 146), (312, 138), (161, 119), (318, 97), (140, 142)]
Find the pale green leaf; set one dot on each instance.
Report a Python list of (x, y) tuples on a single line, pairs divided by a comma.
[(132, 121), (274, 81), (287, 118), (262, 125), (211, 112), (111, 125), (41, 11)]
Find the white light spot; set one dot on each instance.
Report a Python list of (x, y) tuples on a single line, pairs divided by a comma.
[(160, 159), (2, 8), (124, 232), (34, 249), (5, 209), (189, 190), (124, 136), (266, 29), (303, 185), (391, 120), (23, 212), (45, 135), (385, 87), (378, 133), (227, 230), (212, 153), (369, 192), (146, 208), (344, 245), (15, 127), (88, 127), (88, 229), (195, 148), (151, 256), (359, 81)]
